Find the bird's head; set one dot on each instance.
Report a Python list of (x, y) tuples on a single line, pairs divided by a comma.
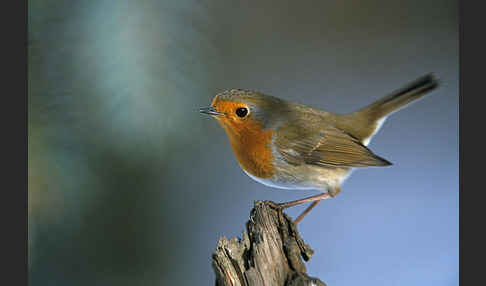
[(239, 111)]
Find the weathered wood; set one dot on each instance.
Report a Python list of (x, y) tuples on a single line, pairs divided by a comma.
[(270, 253)]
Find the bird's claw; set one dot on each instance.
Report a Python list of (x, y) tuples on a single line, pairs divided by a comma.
[(273, 205)]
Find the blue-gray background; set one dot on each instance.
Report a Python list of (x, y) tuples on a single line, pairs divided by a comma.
[(130, 185)]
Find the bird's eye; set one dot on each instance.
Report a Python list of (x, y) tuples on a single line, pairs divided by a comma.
[(241, 112)]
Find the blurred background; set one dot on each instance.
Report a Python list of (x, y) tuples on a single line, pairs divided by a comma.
[(130, 185)]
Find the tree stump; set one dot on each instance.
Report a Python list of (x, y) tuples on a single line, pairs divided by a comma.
[(270, 252)]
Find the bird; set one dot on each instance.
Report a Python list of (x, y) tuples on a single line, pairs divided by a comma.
[(287, 145)]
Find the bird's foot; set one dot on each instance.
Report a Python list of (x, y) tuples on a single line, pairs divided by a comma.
[(274, 205)]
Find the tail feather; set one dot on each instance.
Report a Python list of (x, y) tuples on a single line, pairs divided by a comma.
[(401, 97)]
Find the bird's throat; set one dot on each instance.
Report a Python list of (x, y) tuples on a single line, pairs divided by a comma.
[(252, 147)]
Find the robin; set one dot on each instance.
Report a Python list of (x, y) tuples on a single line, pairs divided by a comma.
[(287, 145)]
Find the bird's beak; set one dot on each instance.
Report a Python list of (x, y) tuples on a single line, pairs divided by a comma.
[(211, 111)]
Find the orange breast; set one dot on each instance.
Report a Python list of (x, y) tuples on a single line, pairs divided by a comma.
[(252, 147)]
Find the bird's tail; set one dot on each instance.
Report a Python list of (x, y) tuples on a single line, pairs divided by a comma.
[(399, 98)]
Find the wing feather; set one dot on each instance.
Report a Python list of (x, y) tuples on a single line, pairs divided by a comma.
[(328, 147)]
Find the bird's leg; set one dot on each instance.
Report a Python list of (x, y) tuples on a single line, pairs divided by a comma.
[(314, 199), (307, 210), (319, 197)]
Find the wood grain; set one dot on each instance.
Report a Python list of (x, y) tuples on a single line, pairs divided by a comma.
[(271, 252)]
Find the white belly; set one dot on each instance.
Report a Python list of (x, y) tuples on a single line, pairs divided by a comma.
[(279, 185)]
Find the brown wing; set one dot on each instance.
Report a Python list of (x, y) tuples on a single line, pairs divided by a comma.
[(329, 146)]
